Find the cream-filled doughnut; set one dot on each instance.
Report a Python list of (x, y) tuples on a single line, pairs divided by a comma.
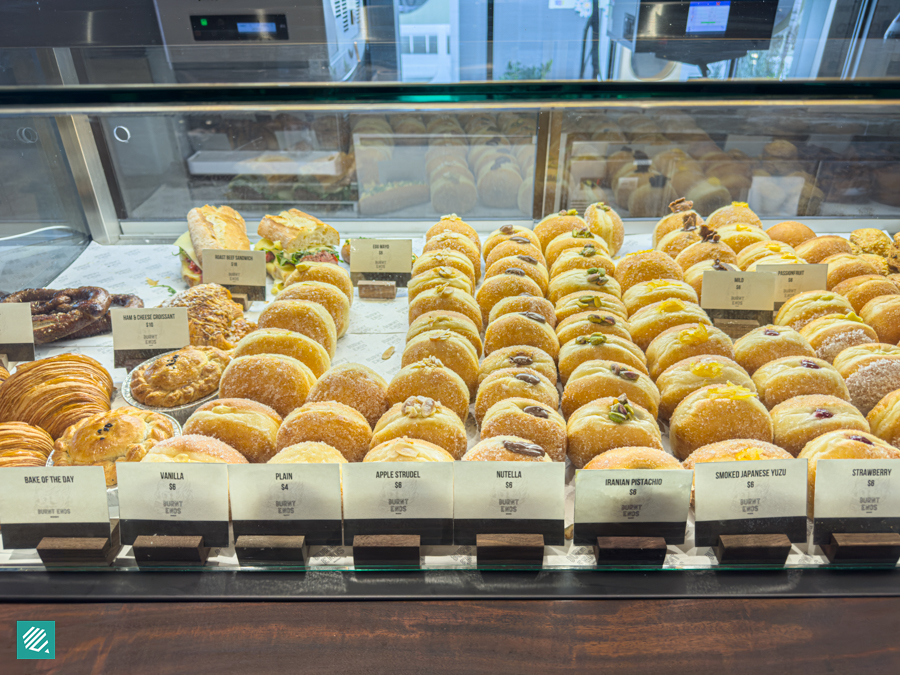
[(603, 220), (281, 341), (355, 385), (883, 315), (453, 350), (576, 239), (505, 285), (768, 343), (871, 371), (657, 290), (589, 301), (791, 376), (648, 322), (580, 280), (524, 303), (275, 380), (532, 268), (446, 299), (634, 458), (608, 423), (679, 380), (682, 342), (804, 307), (425, 419), (528, 419), (452, 321), (588, 323), (514, 383), (330, 297), (336, 424), (799, 420), (592, 380), (599, 346), (523, 328), (584, 258), (636, 268), (816, 250), (518, 356), (506, 449), (302, 316), (859, 290)]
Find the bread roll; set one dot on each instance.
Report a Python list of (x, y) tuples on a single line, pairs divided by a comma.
[(609, 423), (194, 448), (799, 420), (247, 426), (333, 423), (302, 316), (681, 379), (308, 452), (275, 380), (425, 419), (330, 297), (282, 341), (354, 385), (527, 419), (431, 378)]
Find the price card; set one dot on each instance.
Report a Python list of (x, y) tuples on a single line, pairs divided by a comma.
[(791, 280), (286, 500), (174, 499), (399, 498), (52, 501), (738, 302), (381, 260), (16, 334), (509, 498), (140, 334), (856, 495), (625, 503), (241, 272), (753, 497)]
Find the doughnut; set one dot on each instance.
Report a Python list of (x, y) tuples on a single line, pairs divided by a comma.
[(767, 343), (602, 220), (582, 259), (642, 266), (738, 236), (599, 346), (677, 240), (649, 292), (556, 224), (501, 235), (453, 223), (791, 233), (718, 412), (842, 444), (577, 239), (634, 458), (330, 297), (438, 276), (735, 450), (804, 307), (328, 273), (407, 450), (816, 250), (521, 263), (308, 453), (681, 342), (792, 376), (504, 285), (871, 240), (589, 301), (506, 449), (453, 350), (608, 423), (336, 424), (679, 380), (883, 315), (599, 379), (354, 385), (518, 356), (524, 328), (588, 323), (829, 335), (247, 426), (188, 448), (56, 314), (514, 383), (524, 303), (708, 248), (736, 212), (579, 280), (444, 258), (452, 321), (446, 299), (281, 341), (431, 378), (884, 419), (650, 321), (275, 380), (881, 265), (523, 417), (763, 249), (682, 214), (302, 316), (515, 245), (843, 266), (777, 259), (799, 420), (455, 242), (425, 419), (871, 371)]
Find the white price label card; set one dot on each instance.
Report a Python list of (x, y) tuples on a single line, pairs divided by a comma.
[(738, 302), (791, 280), (399, 498), (381, 256), (16, 333), (287, 500), (631, 503), (140, 334), (856, 496), (750, 497), (509, 498), (238, 271), (174, 499), (54, 501)]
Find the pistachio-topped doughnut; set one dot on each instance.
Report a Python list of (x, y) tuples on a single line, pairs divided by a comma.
[(577, 239), (558, 223), (584, 258), (588, 323), (603, 220), (578, 280), (589, 301), (608, 423)]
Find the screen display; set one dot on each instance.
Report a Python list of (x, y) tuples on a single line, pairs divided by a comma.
[(259, 27), (256, 27), (708, 16)]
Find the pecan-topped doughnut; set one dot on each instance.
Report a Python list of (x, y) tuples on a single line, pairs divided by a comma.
[(56, 314), (104, 323)]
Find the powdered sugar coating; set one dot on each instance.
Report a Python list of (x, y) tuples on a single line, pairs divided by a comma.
[(834, 344), (872, 382)]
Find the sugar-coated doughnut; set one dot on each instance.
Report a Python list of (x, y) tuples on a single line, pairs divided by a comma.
[(444, 258), (429, 377), (302, 316), (452, 321), (524, 303), (446, 299), (515, 245), (738, 236), (438, 276), (679, 380), (578, 280), (556, 224), (425, 419), (634, 458), (681, 342), (589, 301), (791, 376), (871, 371), (816, 250), (407, 450), (778, 259), (831, 334), (249, 427), (588, 323), (871, 240), (735, 450), (523, 328), (708, 248), (355, 385), (603, 220), (804, 307), (188, 448), (532, 268), (505, 285), (453, 350), (519, 356), (577, 239), (650, 321), (453, 223), (502, 234), (799, 420), (598, 346), (736, 212), (859, 290), (760, 250), (636, 268), (330, 422), (768, 343), (456, 242), (506, 449), (882, 265), (693, 276), (309, 452), (525, 418), (330, 297), (328, 273), (514, 383), (676, 241), (843, 266), (884, 418), (608, 423), (648, 292), (718, 413), (791, 232), (883, 315), (682, 214), (287, 342), (275, 380), (583, 258), (600, 379)]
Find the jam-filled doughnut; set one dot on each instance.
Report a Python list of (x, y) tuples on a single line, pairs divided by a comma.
[(583, 258), (859, 290), (768, 343), (453, 350), (588, 323), (603, 220), (679, 380), (556, 224), (518, 356), (524, 303), (444, 258), (523, 328), (446, 299), (599, 346), (816, 250), (831, 334), (514, 383), (576, 239), (578, 280), (791, 233), (517, 264), (681, 342), (452, 321), (636, 268), (883, 315), (506, 449), (634, 458), (425, 419), (804, 307), (500, 235), (608, 423), (657, 290), (799, 420), (528, 419), (589, 301), (791, 376), (871, 371), (650, 321), (598, 379)]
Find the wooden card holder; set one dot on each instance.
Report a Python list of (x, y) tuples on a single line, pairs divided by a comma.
[(383, 290), (752, 549), (509, 549), (386, 550), (646, 551), (170, 551), (242, 300), (864, 548), (271, 550), (79, 551)]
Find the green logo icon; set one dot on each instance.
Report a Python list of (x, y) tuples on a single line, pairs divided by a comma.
[(35, 639)]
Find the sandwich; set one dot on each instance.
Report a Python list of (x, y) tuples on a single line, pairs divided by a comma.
[(292, 237), (209, 227)]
